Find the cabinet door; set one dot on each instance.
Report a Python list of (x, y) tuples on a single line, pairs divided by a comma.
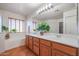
[(30, 43), (58, 53), (45, 50), (36, 50), (53, 52), (26, 41)]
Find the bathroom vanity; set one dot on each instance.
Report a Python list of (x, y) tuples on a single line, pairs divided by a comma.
[(53, 45)]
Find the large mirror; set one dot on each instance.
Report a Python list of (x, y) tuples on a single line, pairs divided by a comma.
[(61, 17)]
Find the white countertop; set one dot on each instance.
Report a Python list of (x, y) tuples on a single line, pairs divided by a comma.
[(72, 40)]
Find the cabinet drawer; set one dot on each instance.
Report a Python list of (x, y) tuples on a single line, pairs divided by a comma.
[(45, 42), (36, 50), (36, 39), (36, 43), (64, 48), (30, 37)]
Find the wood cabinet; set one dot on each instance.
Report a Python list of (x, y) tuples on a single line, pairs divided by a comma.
[(36, 50), (36, 47), (45, 50), (53, 51), (61, 49), (45, 42), (43, 47), (58, 53), (30, 42), (26, 41)]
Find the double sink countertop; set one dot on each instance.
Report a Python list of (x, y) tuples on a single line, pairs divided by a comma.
[(71, 40)]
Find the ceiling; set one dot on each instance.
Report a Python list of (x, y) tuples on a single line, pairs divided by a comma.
[(29, 9), (20, 8)]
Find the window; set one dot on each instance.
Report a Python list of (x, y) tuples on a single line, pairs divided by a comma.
[(31, 25), (15, 24), (0, 24), (21, 24), (9, 25)]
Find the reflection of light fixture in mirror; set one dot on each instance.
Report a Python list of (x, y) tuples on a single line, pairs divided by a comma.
[(50, 6), (45, 8)]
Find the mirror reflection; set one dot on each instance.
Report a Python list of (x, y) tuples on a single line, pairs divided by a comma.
[(61, 17)]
